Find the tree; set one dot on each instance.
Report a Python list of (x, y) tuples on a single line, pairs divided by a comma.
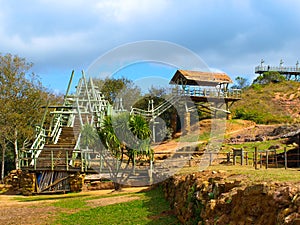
[(240, 83), (159, 92), (269, 77), (119, 88), (125, 137), (21, 96)]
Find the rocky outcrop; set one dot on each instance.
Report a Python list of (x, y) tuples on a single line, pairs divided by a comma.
[(218, 198)]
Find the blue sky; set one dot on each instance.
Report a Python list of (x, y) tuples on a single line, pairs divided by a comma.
[(229, 35)]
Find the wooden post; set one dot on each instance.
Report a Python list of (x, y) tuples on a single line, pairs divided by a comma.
[(134, 163), (69, 86), (255, 158), (187, 123), (85, 161), (260, 158), (174, 124), (234, 159), (267, 159), (242, 156), (285, 158), (210, 158), (67, 160), (34, 160), (101, 164), (228, 157), (52, 163), (246, 154), (81, 156), (275, 155)]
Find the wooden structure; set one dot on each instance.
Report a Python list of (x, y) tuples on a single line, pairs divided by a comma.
[(206, 86), (208, 90), (239, 152), (290, 72), (57, 152)]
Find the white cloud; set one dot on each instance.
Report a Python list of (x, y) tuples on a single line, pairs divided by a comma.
[(126, 10), (232, 35)]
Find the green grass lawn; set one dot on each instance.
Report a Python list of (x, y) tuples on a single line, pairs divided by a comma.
[(260, 175), (261, 146), (150, 207)]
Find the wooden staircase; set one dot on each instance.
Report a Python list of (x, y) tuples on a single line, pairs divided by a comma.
[(57, 156)]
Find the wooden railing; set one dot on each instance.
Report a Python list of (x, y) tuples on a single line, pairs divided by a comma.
[(158, 110), (212, 92), (62, 162), (260, 69), (39, 142)]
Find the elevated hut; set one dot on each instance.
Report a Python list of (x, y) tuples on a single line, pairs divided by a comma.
[(208, 90)]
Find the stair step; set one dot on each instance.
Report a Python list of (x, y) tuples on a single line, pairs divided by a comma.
[(67, 146)]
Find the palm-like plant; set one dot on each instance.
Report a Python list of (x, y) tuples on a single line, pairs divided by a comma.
[(125, 135), (109, 137), (140, 129), (89, 137)]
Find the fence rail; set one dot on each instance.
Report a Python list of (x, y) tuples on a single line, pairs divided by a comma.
[(283, 69), (87, 161)]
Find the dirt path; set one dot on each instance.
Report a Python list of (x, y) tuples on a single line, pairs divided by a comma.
[(17, 212), (111, 201), (13, 212)]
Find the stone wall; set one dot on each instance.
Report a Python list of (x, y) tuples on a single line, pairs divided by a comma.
[(76, 182), (21, 182), (217, 198)]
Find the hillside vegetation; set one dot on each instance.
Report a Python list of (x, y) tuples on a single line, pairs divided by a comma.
[(270, 104)]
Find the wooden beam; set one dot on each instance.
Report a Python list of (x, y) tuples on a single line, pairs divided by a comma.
[(55, 183)]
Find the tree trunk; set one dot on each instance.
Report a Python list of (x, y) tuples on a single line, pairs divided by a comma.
[(16, 150), (3, 160), (117, 186)]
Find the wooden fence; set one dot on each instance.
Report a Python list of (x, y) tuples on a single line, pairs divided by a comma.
[(266, 158), (94, 162)]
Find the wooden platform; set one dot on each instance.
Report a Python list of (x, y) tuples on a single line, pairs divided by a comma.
[(214, 99)]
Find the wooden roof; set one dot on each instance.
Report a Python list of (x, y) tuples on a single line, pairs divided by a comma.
[(198, 78)]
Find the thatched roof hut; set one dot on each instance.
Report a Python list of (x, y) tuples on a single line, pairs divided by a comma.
[(199, 78)]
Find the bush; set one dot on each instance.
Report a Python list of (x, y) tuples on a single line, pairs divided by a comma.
[(249, 115), (269, 77)]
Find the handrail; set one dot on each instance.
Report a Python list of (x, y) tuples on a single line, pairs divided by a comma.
[(77, 145), (191, 91), (210, 92), (55, 130), (38, 144), (169, 101), (156, 111), (277, 68), (40, 140)]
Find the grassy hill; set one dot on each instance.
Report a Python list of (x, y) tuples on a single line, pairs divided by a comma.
[(269, 104)]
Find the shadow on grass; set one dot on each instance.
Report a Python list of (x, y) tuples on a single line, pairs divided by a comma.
[(150, 209), (158, 207)]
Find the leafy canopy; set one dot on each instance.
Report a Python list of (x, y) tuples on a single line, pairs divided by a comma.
[(126, 132)]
